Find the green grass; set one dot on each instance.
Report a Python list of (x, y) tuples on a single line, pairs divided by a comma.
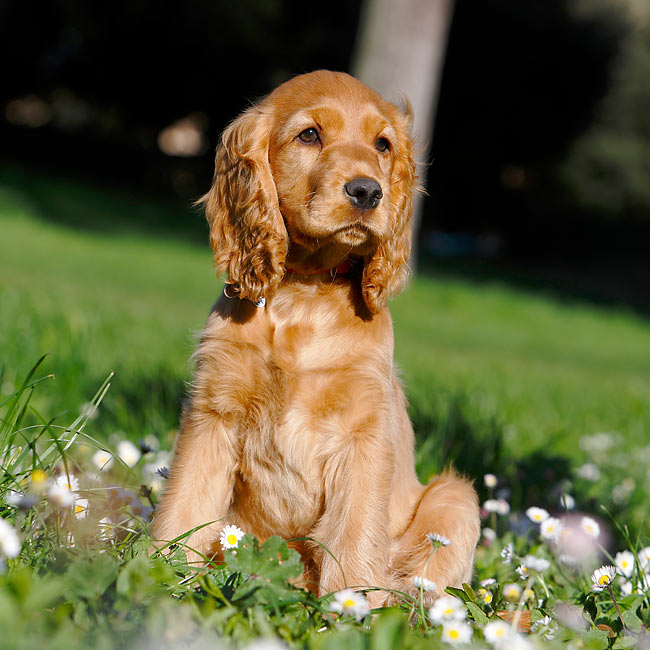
[(500, 380), (132, 298)]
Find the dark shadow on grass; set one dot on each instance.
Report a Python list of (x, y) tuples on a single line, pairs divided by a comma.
[(615, 283), (450, 430), (74, 204)]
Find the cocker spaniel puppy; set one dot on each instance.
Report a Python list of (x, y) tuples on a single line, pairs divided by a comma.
[(297, 423)]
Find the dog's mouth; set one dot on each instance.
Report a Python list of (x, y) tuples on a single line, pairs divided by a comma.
[(355, 234)]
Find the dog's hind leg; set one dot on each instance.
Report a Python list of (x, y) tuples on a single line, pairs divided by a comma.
[(449, 507)]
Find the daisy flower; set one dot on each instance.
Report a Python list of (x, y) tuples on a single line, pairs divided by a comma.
[(567, 501), (484, 595), (624, 562), (523, 571), (9, 540), (80, 508), (512, 591), (503, 507), (60, 496), (447, 609), (506, 553), (590, 526), (490, 480), (488, 582), (230, 537), (496, 632), (69, 481), (107, 528), (103, 459), (456, 632), (551, 528), (535, 563), (38, 481), (491, 505), (489, 534), (438, 540), (603, 577), (424, 584), (644, 558), (128, 452), (350, 602), (537, 515)]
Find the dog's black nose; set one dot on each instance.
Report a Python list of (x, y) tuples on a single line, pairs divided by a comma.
[(364, 193)]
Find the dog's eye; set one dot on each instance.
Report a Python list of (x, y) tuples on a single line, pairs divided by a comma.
[(382, 145), (309, 136)]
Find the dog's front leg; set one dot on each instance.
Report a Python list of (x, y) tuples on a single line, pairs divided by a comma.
[(354, 525), (200, 484)]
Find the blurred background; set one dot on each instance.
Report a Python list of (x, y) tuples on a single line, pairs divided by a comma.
[(525, 331), (540, 158)]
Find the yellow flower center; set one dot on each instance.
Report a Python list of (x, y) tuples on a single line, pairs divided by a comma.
[(500, 631), (487, 599), (232, 539), (603, 580), (453, 634), (348, 603), (39, 476), (448, 611)]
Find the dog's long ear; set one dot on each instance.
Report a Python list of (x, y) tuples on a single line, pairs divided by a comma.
[(247, 231), (386, 269)]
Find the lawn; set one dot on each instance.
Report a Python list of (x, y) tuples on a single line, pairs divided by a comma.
[(500, 380)]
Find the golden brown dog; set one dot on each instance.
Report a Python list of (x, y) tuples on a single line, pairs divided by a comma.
[(297, 424)]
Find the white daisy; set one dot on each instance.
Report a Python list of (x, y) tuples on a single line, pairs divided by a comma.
[(350, 602), (81, 508), (69, 481), (491, 505), (625, 586), (128, 452), (603, 577), (9, 540), (60, 496), (496, 632), (589, 472), (490, 480), (503, 507), (484, 595), (523, 571), (590, 526), (511, 591), (103, 459), (506, 553), (447, 609), (489, 534), (551, 528), (567, 502), (107, 528), (438, 540), (644, 558), (230, 537), (456, 632), (624, 562), (39, 481), (488, 582), (537, 515), (535, 563), (424, 584)]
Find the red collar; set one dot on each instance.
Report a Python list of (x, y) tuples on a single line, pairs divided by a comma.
[(341, 269)]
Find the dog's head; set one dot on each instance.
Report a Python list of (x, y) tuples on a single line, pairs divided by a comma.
[(320, 170)]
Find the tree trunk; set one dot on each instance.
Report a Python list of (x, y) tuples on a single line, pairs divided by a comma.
[(400, 51)]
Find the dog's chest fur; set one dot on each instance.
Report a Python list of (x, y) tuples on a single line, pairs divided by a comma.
[(299, 382)]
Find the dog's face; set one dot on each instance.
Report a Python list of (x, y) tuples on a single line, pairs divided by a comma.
[(324, 164), (332, 152)]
